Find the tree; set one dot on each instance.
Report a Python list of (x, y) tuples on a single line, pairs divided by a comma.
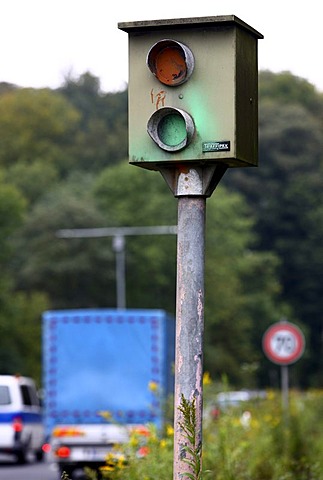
[(20, 333), (286, 194), (103, 137), (12, 208), (36, 126), (74, 273), (132, 196), (242, 291), (19, 313), (287, 89)]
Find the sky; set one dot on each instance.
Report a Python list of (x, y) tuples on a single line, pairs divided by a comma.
[(43, 42)]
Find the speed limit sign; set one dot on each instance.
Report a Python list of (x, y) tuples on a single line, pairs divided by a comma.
[(283, 343)]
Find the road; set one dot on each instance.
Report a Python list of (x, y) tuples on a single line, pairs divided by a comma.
[(31, 471)]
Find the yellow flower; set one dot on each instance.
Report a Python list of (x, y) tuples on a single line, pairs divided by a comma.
[(109, 457), (169, 431), (121, 462), (153, 386), (271, 395), (163, 443), (105, 414), (207, 378), (107, 468), (134, 442)]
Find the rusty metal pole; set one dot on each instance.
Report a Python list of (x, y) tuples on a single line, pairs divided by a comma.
[(191, 185), (189, 324)]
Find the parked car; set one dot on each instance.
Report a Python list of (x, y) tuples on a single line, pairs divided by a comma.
[(21, 424), (232, 399)]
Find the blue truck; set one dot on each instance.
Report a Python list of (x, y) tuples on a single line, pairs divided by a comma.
[(105, 372)]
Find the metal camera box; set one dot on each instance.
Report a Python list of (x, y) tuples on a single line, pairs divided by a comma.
[(211, 115)]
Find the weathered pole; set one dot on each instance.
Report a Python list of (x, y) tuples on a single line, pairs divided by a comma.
[(189, 327), (191, 186)]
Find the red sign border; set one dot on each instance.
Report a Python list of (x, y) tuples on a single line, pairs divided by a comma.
[(292, 329)]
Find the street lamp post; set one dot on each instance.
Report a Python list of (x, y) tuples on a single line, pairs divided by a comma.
[(119, 247)]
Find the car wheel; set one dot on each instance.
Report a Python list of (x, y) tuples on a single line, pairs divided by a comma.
[(22, 456)]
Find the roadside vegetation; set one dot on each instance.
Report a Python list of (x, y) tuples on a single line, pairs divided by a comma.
[(255, 440)]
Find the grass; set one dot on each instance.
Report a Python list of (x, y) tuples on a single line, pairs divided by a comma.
[(262, 444)]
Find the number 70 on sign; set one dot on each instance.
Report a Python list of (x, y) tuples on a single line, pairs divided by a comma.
[(283, 343)]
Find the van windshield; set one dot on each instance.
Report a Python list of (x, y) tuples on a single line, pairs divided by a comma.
[(4, 395)]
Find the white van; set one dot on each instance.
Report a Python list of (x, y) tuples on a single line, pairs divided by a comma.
[(21, 423)]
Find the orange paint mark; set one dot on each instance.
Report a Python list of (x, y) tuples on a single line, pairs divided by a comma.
[(158, 98)]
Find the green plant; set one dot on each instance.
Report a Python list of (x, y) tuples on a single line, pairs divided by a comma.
[(194, 447), (267, 448), (64, 476)]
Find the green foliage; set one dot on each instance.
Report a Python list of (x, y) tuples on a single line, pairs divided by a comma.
[(19, 312), (146, 456), (102, 138), (129, 196), (261, 445), (81, 271), (285, 88), (286, 197), (65, 476), (20, 333), (242, 291), (36, 125), (193, 448), (120, 187), (12, 208), (32, 179)]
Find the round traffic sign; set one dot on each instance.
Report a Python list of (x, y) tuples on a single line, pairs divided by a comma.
[(283, 343)]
